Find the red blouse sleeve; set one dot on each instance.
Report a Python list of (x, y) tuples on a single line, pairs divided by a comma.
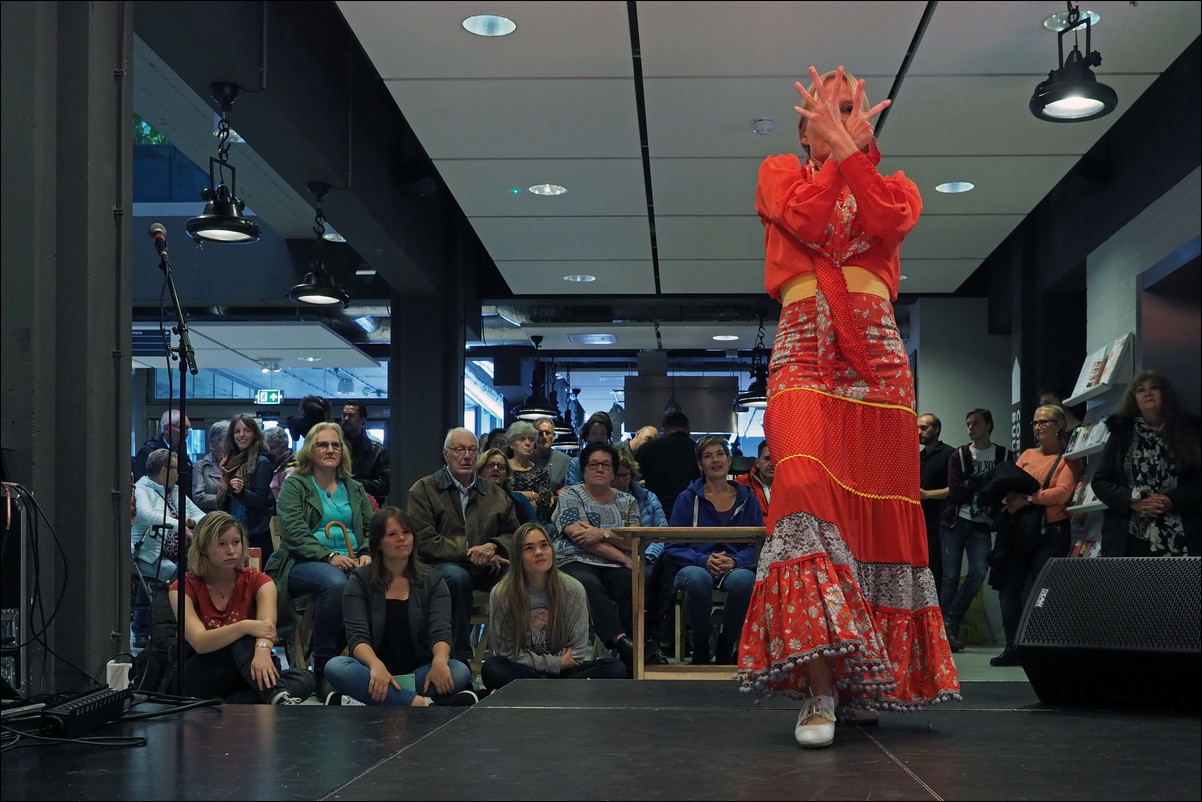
[(789, 197), (888, 206)]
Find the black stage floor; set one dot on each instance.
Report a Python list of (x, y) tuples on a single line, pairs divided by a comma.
[(648, 740)]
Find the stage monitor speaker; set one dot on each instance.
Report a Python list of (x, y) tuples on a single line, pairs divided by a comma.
[(1114, 631)]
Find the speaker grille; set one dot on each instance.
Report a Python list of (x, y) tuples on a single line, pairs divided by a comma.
[(1130, 603)]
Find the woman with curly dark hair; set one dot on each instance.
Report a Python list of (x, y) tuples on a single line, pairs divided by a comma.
[(1148, 476)]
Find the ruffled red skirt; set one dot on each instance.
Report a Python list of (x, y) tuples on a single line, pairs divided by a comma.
[(843, 572)]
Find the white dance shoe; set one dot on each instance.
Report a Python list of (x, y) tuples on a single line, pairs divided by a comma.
[(820, 732)]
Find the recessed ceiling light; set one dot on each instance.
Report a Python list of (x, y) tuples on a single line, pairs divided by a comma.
[(548, 189), (365, 270), (489, 25), (1058, 22), (580, 278), (309, 358), (725, 338), (954, 187), (904, 277), (332, 236), (592, 339)]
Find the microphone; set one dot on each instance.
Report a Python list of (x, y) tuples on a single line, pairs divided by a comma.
[(159, 234)]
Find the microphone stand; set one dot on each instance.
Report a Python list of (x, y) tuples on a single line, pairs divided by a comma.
[(187, 363)]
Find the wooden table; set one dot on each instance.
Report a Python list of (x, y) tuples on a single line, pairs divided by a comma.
[(639, 537)]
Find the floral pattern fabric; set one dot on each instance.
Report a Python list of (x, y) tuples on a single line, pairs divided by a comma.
[(1151, 471)]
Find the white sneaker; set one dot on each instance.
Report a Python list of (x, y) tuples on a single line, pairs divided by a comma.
[(350, 701), (816, 736)]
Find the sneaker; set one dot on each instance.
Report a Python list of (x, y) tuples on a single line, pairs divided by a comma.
[(288, 699), (333, 698), (653, 655), (461, 699), (1008, 657), (350, 701), (820, 734)]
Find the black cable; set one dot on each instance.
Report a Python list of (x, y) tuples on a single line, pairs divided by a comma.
[(94, 740)]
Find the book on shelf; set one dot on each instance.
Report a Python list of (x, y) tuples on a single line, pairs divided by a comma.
[(1113, 357), (1078, 542), (1078, 494), (1091, 371), (1098, 432), (1088, 549), (1076, 438)]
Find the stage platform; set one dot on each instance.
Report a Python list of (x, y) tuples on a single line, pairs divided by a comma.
[(624, 739)]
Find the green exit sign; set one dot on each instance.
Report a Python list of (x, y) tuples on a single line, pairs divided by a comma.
[(269, 396)]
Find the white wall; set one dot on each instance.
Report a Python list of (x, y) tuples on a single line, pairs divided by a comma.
[(961, 365), (1112, 270)]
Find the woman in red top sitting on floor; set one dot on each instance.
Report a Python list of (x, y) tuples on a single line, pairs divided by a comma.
[(229, 621)]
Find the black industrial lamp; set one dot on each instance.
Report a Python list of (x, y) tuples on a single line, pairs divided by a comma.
[(222, 220), (536, 406), (318, 287), (1072, 93), (756, 395)]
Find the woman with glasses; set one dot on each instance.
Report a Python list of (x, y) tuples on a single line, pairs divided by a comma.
[(530, 480), (323, 516), (494, 466), (590, 552), (1147, 475), (1057, 479)]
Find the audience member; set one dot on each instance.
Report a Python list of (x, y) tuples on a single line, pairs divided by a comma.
[(283, 458), (597, 429), (702, 568), (538, 619), (229, 621), (168, 437), (323, 516), (651, 513), (555, 461), (1148, 474), (590, 552), (966, 522), (313, 410), (245, 488), (398, 627), (156, 551), (494, 466), (669, 462), (932, 481), (531, 480), (494, 439), (369, 460), (1058, 479), (206, 473), (644, 435), (464, 527), (759, 478), (1051, 395)]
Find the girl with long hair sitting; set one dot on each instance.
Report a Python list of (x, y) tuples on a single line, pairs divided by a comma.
[(538, 619)]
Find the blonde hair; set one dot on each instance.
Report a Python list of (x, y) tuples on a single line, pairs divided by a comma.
[(849, 79), (208, 532)]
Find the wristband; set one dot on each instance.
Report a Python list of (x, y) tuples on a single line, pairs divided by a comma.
[(1029, 500), (262, 645)]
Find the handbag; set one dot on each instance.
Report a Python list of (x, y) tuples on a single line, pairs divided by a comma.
[(1020, 533)]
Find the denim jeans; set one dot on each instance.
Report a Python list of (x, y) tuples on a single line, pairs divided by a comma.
[(609, 599), (497, 672), (161, 571), (698, 586), (348, 676), (327, 583), (974, 538)]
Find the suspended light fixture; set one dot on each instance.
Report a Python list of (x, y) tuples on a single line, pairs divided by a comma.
[(222, 220), (1072, 93), (318, 287), (756, 395), (536, 406)]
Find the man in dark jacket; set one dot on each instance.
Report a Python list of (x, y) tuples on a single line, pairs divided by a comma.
[(669, 462), (932, 479), (369, 459)]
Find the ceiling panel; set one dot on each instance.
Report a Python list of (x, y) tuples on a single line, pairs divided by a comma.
[(711, 237), (499, 187), (719, 277), (614, 277), (564, 238)]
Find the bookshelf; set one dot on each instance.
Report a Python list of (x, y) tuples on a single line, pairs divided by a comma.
[(1103, 378)]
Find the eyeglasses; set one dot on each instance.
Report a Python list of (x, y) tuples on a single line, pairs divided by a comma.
[(600, 466), (496, 466), (1035, 424), (461, 451), (327, 446)]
